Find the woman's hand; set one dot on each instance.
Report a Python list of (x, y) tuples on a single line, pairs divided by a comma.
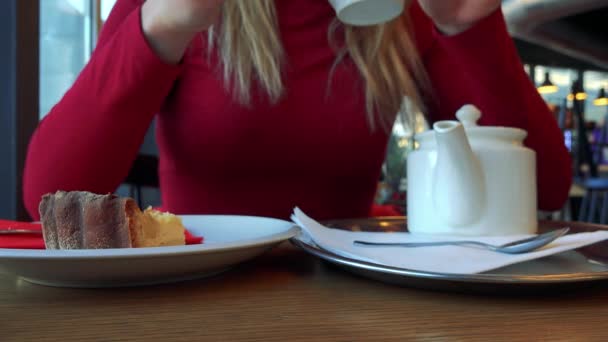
[(455, 16), (170, 25)]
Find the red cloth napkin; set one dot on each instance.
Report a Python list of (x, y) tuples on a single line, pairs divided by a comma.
[(378, 210), (35, 241)]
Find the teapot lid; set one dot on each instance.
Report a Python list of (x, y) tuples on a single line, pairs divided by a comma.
[(468, 116)]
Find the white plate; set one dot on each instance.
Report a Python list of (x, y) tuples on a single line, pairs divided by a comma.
[(229, 240), (581, 268)]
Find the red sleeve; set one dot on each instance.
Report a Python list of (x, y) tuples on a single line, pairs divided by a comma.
[(90, 138), (481, 66)]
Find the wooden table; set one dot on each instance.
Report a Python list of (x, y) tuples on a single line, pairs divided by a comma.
[(287, 295)]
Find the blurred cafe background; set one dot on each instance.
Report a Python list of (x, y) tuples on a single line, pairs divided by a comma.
[(563, 45)]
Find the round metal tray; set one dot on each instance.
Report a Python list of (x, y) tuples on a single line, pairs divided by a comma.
[(581, 268)]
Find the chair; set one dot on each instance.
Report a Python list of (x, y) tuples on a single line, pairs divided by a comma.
[(594, 206), (143, 173)]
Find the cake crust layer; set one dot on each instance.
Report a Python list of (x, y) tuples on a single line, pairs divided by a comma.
[(83, 220)]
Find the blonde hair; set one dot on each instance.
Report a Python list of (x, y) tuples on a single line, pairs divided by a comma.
[(249, 47)]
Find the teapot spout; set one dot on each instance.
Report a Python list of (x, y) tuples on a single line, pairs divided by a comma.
[(458, 187)]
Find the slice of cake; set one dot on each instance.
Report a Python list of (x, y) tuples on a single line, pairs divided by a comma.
[(83, 220), (159, 229)]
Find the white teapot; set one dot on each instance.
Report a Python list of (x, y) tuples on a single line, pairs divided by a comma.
[(465, 179)]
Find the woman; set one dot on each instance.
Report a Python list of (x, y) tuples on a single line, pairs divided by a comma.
[(264, 112)]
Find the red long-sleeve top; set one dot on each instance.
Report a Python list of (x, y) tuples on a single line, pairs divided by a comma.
[(309, 150)]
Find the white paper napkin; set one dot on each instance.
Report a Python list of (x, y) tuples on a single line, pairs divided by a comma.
[(440, 259)]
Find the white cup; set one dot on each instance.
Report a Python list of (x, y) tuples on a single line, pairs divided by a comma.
[(367, 12)]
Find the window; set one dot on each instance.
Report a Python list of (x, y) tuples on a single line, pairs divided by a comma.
[(562, 78), (68, 31), (106, 7), (594, 81)]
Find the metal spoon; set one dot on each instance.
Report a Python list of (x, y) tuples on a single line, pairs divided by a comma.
[(515, 247)]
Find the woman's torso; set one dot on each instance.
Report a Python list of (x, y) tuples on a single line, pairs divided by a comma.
[(314, 149)]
